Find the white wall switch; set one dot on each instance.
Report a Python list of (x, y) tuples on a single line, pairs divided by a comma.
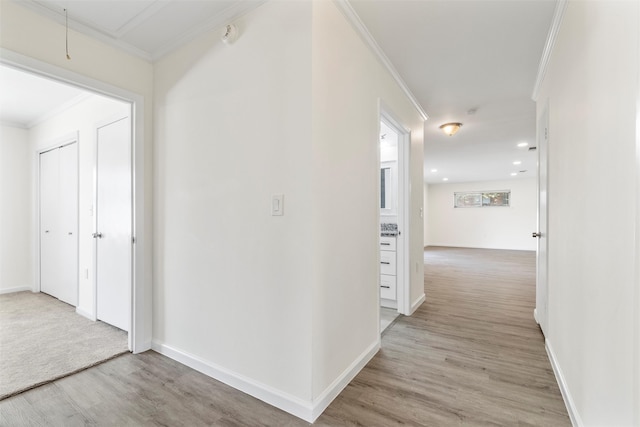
[(277, 205)]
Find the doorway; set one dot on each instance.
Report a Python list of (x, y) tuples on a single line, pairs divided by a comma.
[(541, 310), (393, 240), (139, 337)]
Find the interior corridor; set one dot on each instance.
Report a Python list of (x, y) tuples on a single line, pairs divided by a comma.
[(471, 355)]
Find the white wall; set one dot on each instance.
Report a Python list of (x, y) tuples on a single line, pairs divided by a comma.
[(591, 87), (348, 82), (81, 119), (492, 227), (291, 302), (15, 211), (233, 127)]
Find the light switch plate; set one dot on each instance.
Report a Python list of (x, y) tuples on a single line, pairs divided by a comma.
[(277, 205)]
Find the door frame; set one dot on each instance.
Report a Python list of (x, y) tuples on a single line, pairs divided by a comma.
[(62, 141), (541, 312), (141, 301), (403, 272)]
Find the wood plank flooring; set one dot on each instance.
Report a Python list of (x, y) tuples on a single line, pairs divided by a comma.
[(471, 355)]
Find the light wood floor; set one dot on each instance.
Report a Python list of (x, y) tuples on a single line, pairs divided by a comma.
[(471, 355)]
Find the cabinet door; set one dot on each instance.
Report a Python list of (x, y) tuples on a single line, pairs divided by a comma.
[(388, 262), (388, 287), (49, 233), (68, 224)]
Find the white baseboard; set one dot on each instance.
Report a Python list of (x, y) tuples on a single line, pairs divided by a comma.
[(86, 314), (576, 421), (16, 289), (331, 392), (301, 408), (417, 303), (291, 404), (535, 315)]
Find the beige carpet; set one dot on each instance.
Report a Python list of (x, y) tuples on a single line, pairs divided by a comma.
[(42, 339)]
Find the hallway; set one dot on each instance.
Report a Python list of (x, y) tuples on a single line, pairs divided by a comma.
[(471, 355)]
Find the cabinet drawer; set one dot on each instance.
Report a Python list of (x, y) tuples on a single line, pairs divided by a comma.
[(387, 243), (388, 287), (388, 262)]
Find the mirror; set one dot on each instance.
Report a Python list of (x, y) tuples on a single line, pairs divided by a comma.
[(388, 188)]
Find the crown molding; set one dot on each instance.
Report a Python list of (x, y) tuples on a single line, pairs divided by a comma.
[(233, 12), (74, 25), (548, 46), (353, 18), (236, 10)]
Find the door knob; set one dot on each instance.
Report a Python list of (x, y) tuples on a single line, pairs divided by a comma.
[(536, 234), (97, 235)]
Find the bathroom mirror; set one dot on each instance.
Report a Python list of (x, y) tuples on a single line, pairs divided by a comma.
[(388, 188)]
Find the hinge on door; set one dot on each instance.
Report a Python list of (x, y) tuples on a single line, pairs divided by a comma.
[(133, 240), (546, 133)]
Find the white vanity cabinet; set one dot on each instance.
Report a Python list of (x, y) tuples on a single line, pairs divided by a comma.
[(387, 270)]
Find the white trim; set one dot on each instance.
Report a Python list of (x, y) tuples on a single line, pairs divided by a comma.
[(636, 350), (548, 46), (363, 31), (218, 21), (403, 250), (86, 314), (115, 38), (564, 389), (330, 393), (291, 404), (11, 124), (417, 303), (535, 315), (16, 289), (140, 333), (308, 411)]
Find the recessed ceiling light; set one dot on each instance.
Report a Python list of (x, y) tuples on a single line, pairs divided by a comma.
[(445, 179), (523, 144), (517, 162), (514, 173), (434, 170)]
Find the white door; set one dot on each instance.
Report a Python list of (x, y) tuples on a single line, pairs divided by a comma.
[(68, 223), (113, 223), (49, 201), (541, 311), (59, 223)]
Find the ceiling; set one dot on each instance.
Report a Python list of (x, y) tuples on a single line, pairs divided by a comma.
[(468, 61)]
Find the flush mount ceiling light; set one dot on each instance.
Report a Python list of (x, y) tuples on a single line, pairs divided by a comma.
[(450, 128)]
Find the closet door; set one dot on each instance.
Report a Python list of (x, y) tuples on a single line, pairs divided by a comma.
[(49, 202), (68, 224), (59, 223)]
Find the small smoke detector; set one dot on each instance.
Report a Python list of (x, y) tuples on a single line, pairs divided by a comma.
[(472, 111), (230, 34)]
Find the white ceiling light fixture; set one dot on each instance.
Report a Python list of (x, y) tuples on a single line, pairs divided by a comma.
[(523, 144), (445, 179), (451, 128), (517, 162), (514, 173), (434, 170), (230, 34)]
